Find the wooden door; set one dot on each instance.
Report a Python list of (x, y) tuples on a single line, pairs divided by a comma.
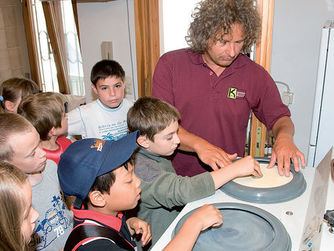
[(147, 43), (262, 57)]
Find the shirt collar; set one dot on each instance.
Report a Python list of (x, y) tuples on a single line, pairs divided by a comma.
[(196, 58), (149, 155), (114, 222), (100, 104)]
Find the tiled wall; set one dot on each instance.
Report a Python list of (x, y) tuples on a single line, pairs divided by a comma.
[(14, 60)]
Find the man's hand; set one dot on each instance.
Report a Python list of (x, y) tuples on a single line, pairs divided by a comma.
[(209, 154), (214, 156), (283, 151), (138, 226)]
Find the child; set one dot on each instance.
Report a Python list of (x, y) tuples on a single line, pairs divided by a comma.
[(15, 89), (46, 112), (162, 189), (17, 216), (100, 174), (20, 147), (105, 118)]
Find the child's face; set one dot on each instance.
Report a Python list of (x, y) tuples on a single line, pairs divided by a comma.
[(27, 154), (63, 129), (30, 215), (125, 192), (110, 91), (166, 141)]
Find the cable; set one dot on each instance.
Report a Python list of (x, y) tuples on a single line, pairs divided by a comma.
[(287, 96), (285, 84)]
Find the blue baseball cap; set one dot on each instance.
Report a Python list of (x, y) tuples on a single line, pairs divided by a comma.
[(86, 159)]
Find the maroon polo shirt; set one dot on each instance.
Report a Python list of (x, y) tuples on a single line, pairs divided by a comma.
[(216, 108)]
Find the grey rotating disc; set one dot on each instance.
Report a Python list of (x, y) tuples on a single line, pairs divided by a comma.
[(245, 227)]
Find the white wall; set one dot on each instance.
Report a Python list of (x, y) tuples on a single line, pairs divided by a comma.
[(295, 49), (174, 23), (294, 59), (108, 21)]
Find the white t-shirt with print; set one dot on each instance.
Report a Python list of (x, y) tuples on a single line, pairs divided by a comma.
[(94, 120)]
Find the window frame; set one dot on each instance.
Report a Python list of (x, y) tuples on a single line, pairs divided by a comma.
[(54, 26)]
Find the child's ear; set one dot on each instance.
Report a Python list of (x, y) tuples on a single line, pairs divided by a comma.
[(143, 141), (52, 132), (96, 198), (9, 105), (94, 88)]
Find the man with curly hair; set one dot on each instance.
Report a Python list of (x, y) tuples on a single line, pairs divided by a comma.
[(215, 86)]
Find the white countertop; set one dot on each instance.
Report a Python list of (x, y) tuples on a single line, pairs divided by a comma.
[(294, 224)]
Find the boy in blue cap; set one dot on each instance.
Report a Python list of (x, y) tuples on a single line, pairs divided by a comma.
[(100, 173)]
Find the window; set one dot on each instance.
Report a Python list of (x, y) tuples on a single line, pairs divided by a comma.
[(46, 62), (53, 42), (73, 53)]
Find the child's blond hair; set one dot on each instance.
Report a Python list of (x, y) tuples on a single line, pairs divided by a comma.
[(11, 207), (11, 123)]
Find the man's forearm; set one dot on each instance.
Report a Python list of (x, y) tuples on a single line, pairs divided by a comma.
[(283, 127), (189, 141)]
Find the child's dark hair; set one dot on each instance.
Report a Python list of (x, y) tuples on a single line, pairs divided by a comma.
[(106, 68), (14, 88), (104, 182), (44, 110), (150, 116)]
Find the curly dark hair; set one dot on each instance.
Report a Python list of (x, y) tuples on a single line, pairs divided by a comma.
[(211, 17)]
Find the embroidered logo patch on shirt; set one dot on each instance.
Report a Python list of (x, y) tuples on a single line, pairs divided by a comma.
[(234, 93)]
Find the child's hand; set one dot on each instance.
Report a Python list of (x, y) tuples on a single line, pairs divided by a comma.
[(138, 226), (247, 166), (203, 218), (207, 216)]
